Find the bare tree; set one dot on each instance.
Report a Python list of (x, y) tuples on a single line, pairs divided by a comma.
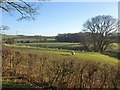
[(3, 27), (101, 28), (26, 10)]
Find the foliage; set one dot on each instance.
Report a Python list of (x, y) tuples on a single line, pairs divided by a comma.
[(48, 71), (75, 37), (85, 38), (9, 41)]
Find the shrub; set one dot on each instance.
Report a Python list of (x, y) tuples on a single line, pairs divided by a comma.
[(48, 70)]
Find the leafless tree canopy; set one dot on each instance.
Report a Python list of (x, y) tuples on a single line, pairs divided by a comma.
[(101, 28), (27, 10)]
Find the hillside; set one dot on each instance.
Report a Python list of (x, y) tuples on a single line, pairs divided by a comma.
[(53, 68)]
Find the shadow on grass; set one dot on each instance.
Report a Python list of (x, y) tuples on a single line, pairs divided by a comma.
[(66, 54)]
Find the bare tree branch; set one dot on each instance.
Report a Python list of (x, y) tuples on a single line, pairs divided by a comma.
[(101, 27), (26, 10)]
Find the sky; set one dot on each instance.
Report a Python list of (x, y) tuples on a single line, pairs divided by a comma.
[(59, 17)]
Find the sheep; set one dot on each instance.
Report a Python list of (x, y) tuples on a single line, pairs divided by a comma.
[(56, 48), (72, 52)]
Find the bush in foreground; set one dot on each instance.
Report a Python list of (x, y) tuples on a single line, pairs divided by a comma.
[(50, 71)]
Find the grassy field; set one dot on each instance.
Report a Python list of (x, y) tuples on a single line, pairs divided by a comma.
[(44, 65), (50, 42), (57, 45), (48, 58), (67, 53), (28, 38)]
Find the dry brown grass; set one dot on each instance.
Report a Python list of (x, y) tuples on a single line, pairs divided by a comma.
[(49, 70)]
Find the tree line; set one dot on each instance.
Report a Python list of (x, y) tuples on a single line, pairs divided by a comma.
[(98, 33), (83, 38), (100, 27)]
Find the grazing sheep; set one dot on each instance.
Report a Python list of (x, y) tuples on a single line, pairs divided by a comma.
[(24, 46), (56, 48), (83, 50), (72, 52)]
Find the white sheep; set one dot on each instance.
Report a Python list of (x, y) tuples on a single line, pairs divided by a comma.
[(72, 52)]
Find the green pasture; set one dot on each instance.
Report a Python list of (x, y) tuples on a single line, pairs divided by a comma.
[(57, 54), (26, 38), (7, 36), (68, 46), (93, 56), (59, 45)]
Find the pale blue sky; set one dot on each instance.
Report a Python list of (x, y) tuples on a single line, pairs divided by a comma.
[(59, 17)]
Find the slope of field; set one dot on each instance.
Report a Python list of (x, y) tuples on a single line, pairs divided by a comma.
[(67, 53), (46, 68), (59, 45)]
